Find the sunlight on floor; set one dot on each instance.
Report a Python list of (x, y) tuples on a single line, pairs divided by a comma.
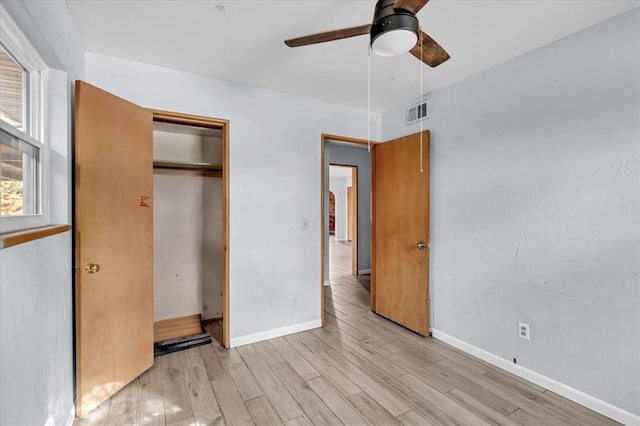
[(99, 394), (152, 408)]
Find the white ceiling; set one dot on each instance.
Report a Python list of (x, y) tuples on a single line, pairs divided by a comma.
[(244, 43)]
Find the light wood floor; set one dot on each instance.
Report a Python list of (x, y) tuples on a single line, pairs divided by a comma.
[(359, 369), (340, 259)]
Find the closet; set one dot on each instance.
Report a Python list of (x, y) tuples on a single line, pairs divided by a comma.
[(188, 234)]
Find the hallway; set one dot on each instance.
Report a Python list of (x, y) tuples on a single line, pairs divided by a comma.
[(340, 265)]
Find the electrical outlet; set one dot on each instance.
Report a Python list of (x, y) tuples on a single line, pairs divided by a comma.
[(524, 331)]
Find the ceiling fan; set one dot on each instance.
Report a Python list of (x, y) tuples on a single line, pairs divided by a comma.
[(395, 30)]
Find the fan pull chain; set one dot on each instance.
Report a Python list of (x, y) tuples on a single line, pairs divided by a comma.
[(421, 98), (369, 99)]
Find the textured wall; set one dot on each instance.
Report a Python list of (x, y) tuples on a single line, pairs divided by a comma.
[(36, 363), (535, 209), (188, 247), (36, 303)]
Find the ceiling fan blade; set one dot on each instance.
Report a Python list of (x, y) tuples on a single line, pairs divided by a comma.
[(412, 6), (429, 51), (328, 36)]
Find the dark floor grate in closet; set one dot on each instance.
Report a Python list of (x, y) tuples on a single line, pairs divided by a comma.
[(175, 345)]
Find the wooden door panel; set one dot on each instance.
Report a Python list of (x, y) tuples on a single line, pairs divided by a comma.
[(401, 220), (114, 225)]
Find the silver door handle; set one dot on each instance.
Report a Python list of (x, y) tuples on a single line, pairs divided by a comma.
[(421, 245)]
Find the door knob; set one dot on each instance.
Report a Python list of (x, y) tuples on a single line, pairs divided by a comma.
[(92, 268), (421, 245)]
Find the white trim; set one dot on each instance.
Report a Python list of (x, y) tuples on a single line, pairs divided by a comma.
[(327, 283), (276, 332), (71, 417), (364, 271), (36, 128), (575, 395), (18, 45), (20, 48)]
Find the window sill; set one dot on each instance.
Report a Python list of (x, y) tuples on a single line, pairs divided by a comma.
[(11, 239)]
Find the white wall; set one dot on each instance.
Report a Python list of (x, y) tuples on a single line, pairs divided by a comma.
[(36, 347), (535, 209), (188, 148), (36, 303), (275, 268), (188, 251), (338, 185), (177, 248), (212, 248)]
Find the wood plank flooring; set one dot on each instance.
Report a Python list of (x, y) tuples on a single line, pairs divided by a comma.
[(360, 369)]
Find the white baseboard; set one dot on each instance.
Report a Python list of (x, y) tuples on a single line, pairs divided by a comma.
[(364, 271), (276, 332), (575, 395), (327, 282), (71, 417)]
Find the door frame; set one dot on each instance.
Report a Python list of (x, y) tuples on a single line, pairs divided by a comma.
[(212, 123), (324, 138)]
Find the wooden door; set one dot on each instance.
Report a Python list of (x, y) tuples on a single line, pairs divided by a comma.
[(114, 243), (400, 267)]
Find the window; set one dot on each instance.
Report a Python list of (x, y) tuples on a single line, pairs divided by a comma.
[(23, 150)]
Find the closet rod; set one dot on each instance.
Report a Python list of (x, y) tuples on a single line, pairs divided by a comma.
[(181, 165)]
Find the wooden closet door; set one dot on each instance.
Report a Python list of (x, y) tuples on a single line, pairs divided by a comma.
[(114, 244)]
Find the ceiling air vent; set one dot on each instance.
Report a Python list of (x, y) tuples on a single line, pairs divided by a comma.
[(418, 112)]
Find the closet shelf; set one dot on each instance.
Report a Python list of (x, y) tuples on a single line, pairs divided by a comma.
[(181, 165)]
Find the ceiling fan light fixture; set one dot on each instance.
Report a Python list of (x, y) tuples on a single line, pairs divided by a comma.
[(394, 35), (396, 42)]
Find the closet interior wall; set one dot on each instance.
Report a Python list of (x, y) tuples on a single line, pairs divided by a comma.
[(188, 222)]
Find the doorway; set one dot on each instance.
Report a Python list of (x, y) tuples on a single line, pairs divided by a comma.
[(188, 260), (346, 215), (202, 163), (398, 265), (343, 224)]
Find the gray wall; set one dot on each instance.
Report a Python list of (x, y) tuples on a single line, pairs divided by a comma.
[(36, 303), (535, 209), (354, 156)]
